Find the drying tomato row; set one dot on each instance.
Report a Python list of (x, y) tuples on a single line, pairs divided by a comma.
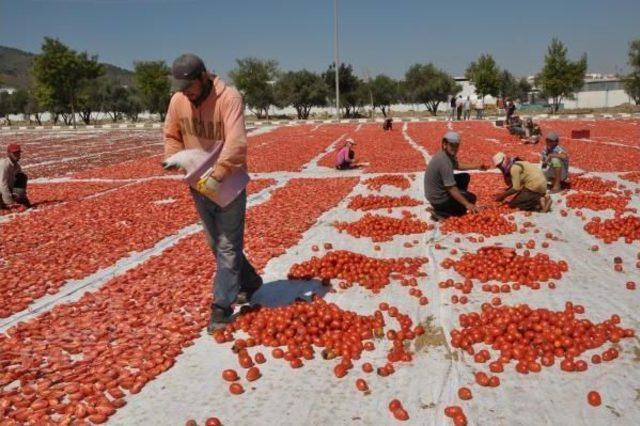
[(300, 202), (371, 273), (61, 150), (505, 265), (377, 182), (44, 249), (383, 151), (43, 195), (373, 202), (134, 169), (621, 131), (289, 148), (114, 340), (383, 228)]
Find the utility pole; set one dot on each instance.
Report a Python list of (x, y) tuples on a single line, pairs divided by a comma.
[(368, 78), (336, 57)]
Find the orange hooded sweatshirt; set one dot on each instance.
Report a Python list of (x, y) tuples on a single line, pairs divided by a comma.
[(220, 117)]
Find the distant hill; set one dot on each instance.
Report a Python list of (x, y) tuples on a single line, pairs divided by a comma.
[(15, 65)]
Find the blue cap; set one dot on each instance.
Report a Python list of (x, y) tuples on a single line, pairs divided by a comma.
[(452, 137)]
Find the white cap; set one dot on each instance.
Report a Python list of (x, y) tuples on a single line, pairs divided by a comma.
[(498, 159), (452, 137)]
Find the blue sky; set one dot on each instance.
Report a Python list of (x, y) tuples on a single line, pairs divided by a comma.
[(376, 36)]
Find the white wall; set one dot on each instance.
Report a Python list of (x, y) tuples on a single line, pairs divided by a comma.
[(598, 99)]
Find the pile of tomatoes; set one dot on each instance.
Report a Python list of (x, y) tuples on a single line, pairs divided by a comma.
[(610, 230), (372, 202), (371, 273), (376, 183), (384, 228), (592, 184), (598, 202), (505, 265), (534, 338), (489, 222), (296, 331)]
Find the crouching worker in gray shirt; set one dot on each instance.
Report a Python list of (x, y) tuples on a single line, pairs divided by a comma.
[(448, 192)]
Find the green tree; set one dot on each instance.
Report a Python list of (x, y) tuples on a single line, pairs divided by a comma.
[(34, 107), (151, 81), (60, 74), (133, 104), (303, 90), (485, 75), (20, 103), (560, 77), (90, 100), (429, 85), (385, 92), (255, 79), (632, 81), (6, 106), (114, 98), (349, 85), (513, 88)]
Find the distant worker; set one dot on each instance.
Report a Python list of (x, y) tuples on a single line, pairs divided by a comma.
[(532, 132), (448, 192), (467, 108), (452, 103), (555, 160), (13, 181), (346, 157), (515, 126), (479, 107), (525, 181), (459, 107), (510, 108), (388, 124)]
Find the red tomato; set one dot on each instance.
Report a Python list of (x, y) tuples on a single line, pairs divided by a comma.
[(594, 398)]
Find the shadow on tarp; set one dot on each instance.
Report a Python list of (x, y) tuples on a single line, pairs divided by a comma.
[(284, 292)]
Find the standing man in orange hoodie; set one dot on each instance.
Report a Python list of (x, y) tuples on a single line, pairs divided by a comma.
[(204, 111)]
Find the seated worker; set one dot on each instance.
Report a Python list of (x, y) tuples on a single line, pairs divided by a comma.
[(515, 126), (13, 181), (345, 158), (526, 181), (532, 132), (556, 160), (388, 124), (448, 192)]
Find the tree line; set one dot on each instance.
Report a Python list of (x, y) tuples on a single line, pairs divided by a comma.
[(67, 84)]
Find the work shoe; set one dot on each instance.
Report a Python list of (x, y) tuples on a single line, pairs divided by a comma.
[(245, 294), (219, 318)]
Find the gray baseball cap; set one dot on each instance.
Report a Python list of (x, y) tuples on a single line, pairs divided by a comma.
[(452, 137), (186, 68), (553, 137)]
